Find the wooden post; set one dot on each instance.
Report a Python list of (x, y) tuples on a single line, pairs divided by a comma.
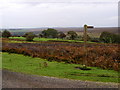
[(85, 42)]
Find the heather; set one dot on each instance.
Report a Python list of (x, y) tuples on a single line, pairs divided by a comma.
[(105, 56)]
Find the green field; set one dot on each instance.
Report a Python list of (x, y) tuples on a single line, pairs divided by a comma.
[(21, 38), (48, 39), (37, 66)]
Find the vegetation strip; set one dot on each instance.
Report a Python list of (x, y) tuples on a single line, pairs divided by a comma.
[(98, 55)]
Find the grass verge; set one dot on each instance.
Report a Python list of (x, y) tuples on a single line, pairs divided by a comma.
[(37, 66)]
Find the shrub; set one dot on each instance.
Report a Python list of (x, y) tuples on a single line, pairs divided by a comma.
[(50, 33), (72, 35), (61, 35), (6, 34), (95, 40), (108, 37), (29, 36)]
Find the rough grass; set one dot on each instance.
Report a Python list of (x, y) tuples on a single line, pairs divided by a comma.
[(48, 39), (37, 66), (0, 60), (21, 38)]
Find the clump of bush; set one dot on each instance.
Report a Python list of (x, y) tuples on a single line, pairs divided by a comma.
[(108, 37), (29, 36), (95, 40), (6, 34), (50, 33), (72, 35), (61, 35)]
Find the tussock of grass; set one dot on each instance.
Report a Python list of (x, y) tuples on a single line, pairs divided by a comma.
[(37, 66)]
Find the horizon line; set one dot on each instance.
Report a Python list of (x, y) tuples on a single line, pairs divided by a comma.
[(58, 27)]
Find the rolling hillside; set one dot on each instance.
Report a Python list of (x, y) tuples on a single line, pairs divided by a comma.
[(93, 31)]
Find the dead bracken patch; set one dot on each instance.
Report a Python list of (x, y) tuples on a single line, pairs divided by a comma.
[(105, 56)]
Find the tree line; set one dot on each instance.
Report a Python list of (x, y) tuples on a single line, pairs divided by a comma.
[(105, 37)]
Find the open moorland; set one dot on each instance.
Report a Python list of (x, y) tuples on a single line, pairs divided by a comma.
[(105, 56), (63, 57), (102, 60)]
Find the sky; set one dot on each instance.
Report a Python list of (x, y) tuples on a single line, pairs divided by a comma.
[(58, 13)]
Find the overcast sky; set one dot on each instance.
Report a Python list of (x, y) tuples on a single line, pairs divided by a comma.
[(58, 13)]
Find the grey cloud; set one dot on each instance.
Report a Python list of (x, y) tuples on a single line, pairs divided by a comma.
[(50, 13)]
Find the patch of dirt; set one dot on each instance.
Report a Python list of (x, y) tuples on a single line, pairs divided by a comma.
[(81, 68)]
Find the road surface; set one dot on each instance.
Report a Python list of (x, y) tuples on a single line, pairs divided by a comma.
[(19, 80)]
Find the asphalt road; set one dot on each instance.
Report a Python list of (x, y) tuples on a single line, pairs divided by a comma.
[(19, 80)]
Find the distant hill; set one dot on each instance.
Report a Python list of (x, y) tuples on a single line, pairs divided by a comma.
[(95, 30), (99, 30)]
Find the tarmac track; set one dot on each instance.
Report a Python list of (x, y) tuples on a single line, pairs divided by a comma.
[(19, 80)]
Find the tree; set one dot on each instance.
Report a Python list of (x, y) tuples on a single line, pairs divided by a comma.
[(61, 35), (26, 34), (0, 34), (40, 35), (29, 36), (6, 34), (116, 38), (105, 37), (108, 37), (50, 33), (72, 34)]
